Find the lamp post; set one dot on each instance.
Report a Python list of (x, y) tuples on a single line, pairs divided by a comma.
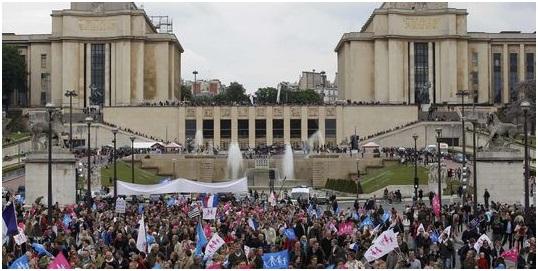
[(415, 137), (474, 121), (439, 131), (50, 111), (525, 105), (89, 121), (114, 132), (70, 94), (174, 167), (194, 86), (358, 178), (132, 158), (463, 93)]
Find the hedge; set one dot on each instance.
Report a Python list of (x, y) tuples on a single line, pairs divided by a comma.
[(343, 185)]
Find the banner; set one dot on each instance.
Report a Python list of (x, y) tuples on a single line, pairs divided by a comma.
[(120, 206), (21, 263), (213, 245), (277, 260), (381, 246), (480, 242), (20, 238), (209, 213), (194, 213), (183, 186), (60, 262), (345, 228), (290, 234), (436, 206)]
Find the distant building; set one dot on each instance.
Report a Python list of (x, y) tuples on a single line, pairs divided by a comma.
[(205, 87), (312, 80), (109, 51)]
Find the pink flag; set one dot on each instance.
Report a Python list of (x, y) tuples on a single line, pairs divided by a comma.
[(510, 255), (436, 206), (59, 262), (345, 228)]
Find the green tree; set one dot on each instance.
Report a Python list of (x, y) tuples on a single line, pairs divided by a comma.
[(513, 112), (235, 92), (186, 94), (267, 95), (13, 72)]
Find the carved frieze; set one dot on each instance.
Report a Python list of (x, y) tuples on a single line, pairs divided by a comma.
[(97, 25), (295, 112), (225, 112), (278, 112), (242, 112), (313, 112), (191, 113), (330, 112), (260, 112)]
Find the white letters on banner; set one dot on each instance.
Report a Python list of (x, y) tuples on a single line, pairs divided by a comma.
[(209, 213), (213, 245), (382, 245), (120, 206)]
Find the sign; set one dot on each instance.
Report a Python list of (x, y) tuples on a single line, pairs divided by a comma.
[(484, 238), (194, 213), (20, 238), (278, 260), (209, 213), (345, 228), (213, 245), (120, 206), (381, 246)]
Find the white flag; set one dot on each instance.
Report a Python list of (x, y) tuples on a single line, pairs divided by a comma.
[(20, 238), (420, 227), (447, 232), (213, 245), (141, 239), (480, 242), (382, 245)]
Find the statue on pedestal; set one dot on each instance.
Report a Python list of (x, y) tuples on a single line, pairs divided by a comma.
[(39, 127), (497, 130)]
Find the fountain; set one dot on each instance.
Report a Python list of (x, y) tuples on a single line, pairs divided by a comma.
[(287, 163), (235, 161), (198, 140), (317, 137)]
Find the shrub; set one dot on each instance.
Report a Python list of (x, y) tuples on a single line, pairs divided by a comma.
[(343, 185)]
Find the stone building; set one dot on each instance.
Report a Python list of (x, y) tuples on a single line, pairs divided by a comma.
[(109, 50), (404, 47)]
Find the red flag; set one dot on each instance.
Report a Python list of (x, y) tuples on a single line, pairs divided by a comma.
[(59, 262), (436, 206), (510, 255)]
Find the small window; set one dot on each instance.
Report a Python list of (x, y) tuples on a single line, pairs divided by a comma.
[(43, 61)]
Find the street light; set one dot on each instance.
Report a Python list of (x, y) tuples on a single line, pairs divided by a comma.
[(439, 131), (415, 137), (525, 105), (50, 109), (474, 121), (194, 86), (132, 158), (89, 121), (463, 93), (70, 94), (114, 132)]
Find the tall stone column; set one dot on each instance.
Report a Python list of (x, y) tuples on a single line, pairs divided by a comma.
[(251, 127), (216, 126), (505, 68), (412, 72), (286, 116), (269, 125), (430, 70), (521, 63)]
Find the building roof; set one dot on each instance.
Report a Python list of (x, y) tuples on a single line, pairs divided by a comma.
[(146, 145)]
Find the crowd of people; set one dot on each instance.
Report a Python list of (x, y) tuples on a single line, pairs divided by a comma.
[(92, 235)]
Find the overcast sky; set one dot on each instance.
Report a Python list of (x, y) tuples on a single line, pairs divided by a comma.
[(261, 44)]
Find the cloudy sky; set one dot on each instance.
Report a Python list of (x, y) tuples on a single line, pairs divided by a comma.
[(261, 44)]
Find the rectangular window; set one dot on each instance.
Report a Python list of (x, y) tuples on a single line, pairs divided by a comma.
[(225, 129), (512, 84), (97, 74), (242, 128), (295, 128), (45, 82), (330, 128), (421, 73), (190, 129), (474, 59), (208, 131), (313, 127), (43, 61), (261, 129), (278, 128), (530, 66), (497, 78)]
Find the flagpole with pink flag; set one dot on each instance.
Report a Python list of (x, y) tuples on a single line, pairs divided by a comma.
[(60, 262)]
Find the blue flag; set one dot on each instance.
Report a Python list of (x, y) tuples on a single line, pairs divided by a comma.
[(20, 263), (367, 222), (40, 249), (278, 260), (290, 234), (67, 220), (474, 223), (171, 202), (10, 220), (434, 236), (201, 240), (140, 208), (386, 216), (253, 223)]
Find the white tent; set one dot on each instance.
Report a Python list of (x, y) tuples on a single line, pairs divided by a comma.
[(182, 186)]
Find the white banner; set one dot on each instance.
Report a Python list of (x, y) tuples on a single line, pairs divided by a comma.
[(120, 206), (20, 238), (141, 241), (480, 242), (382, 245), (209, 213), (183, 186), (213, 245)]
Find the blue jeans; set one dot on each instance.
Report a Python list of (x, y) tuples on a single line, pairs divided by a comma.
[(447, 263)]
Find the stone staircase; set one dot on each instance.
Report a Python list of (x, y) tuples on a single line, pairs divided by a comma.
[(206, 168)]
